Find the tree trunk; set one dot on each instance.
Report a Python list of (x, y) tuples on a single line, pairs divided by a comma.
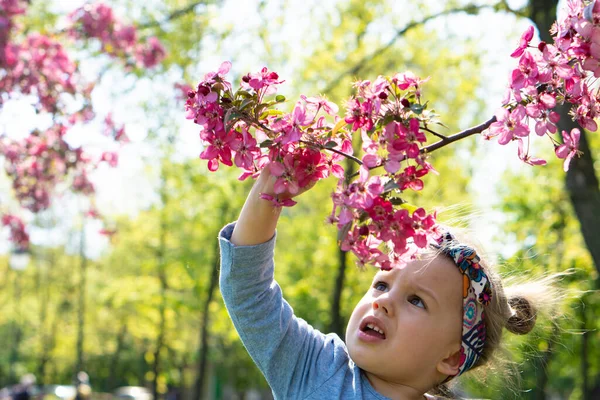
[(337, 324), (46, 337), (114, 363), (48, 346), (337, 321), (79, 366), (17, 331), (584, 350), (581, 181), (162, 276), (203, 349)]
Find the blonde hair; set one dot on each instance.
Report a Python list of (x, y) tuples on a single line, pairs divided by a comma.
[(515, 305)]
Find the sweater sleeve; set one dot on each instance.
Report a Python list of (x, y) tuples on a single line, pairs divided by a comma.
[(295, 358)]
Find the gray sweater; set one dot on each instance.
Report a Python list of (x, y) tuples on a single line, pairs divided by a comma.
[(298, 361)]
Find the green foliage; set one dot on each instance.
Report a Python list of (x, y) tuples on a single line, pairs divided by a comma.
[(123, 294)]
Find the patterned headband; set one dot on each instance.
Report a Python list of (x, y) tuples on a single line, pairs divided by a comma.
[(477, 293)]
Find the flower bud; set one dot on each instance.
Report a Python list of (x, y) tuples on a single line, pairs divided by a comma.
[(364, 230), (405, 103), (542, 46)]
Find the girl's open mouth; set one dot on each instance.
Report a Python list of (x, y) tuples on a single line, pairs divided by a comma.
[(371, 330)]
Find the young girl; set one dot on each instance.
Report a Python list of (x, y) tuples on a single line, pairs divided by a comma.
[(416, 327)]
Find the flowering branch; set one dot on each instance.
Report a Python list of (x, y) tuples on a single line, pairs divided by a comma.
[(389, 114), (341, 153)]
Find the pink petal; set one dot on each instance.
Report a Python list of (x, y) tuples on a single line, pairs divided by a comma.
[(276, 168), (575, 135), (338, 171), (209, 153), (502, 114), (568, 161), (224, 68), (213, 165), (279, 186), (562, 151), (505, 137)]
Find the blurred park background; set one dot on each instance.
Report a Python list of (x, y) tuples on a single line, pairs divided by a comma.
[(132, 298)]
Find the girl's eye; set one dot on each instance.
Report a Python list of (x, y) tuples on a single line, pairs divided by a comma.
[(416, 301), (380, 286)]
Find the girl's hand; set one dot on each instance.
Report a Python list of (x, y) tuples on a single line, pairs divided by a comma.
[(258, 219), (266, 184)]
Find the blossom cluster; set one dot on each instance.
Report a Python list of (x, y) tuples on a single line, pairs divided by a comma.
[(299, 148), (8, 10), (40, 66), (18, 234), (309, 144), (117, 39), (39, 162), (551, 74)]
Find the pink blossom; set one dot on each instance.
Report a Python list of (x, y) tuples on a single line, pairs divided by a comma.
[(111, 158), (419, 225), (410, 178), (246, 150), (546, 122), (311, 167), (408, 79), (379, 209), (150, 54), (319, 102), (508, 125), (524, 42), (285, 174), (359, 114), (277, 202), (18, 234), (526, 74), (219, 149), (525, 157), (264, 80), (569, 148), (213, 77)]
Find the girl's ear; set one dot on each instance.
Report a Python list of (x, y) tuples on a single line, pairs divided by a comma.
[(449, 365)]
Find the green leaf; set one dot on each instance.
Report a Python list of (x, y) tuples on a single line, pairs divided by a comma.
[(266, 143), (342, 233), (390, 185), (331, 144), (271, 112), (232, 116), (244, 94), (340, 124), (417, 108), (280, 98), (397, 201), (246, 103)]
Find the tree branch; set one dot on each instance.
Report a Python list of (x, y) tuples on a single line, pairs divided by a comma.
[(471, 9), (458, 136), (341, 153), (445, 141), (435, 133), (174, 15)]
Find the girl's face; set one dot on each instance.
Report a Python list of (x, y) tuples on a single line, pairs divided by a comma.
[(408, 322)]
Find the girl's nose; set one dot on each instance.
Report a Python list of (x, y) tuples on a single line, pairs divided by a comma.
[(379, 304)]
